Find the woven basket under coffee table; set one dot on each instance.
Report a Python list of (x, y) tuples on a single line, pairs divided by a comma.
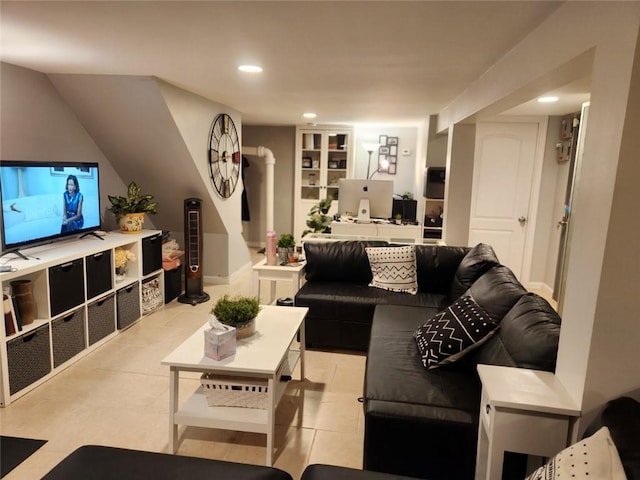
[(234, 391)]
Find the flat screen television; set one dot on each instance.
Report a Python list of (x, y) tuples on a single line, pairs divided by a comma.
[(379, 193), (47, 201)]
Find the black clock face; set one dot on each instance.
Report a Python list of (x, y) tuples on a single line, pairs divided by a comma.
[(224, 155)]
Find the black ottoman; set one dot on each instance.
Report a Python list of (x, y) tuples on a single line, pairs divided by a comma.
[(101, 463), (330, 472)]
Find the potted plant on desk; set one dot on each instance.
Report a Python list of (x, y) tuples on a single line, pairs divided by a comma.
[(319, 219), (130, 210)]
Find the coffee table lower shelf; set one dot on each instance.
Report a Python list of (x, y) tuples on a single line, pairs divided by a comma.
[(270, 356)]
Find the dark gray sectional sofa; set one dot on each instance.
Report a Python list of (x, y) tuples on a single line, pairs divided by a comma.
[(419, 420)]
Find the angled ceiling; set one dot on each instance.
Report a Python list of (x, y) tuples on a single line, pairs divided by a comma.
[(350, 62)]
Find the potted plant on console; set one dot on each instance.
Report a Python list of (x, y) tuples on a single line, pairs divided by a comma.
[(130, 210), (239, 312)]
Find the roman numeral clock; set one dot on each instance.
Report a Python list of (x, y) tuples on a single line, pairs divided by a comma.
[(224, 155)]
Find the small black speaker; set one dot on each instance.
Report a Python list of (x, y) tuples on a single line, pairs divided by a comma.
[(193, 281), (406, 208), (434, 180)]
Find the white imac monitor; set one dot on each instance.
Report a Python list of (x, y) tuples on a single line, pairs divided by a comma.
[(365, 199)]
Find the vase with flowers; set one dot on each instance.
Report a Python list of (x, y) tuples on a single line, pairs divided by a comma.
[(122, 257)]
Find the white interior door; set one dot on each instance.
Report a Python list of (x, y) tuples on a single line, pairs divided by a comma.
[(502, 178)]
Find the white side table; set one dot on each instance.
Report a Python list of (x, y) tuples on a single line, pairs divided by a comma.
[(275, 273), (523, 411)]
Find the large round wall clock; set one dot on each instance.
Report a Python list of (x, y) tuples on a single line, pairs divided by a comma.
[(224, 155)]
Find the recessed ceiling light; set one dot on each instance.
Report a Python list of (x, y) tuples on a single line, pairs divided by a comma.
[(250, 68), (547, 99), (309, 115)]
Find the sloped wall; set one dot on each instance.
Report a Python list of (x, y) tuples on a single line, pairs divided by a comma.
[(37, 124), (157, 135)]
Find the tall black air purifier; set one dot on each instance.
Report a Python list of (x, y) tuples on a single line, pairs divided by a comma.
[(193, 281)]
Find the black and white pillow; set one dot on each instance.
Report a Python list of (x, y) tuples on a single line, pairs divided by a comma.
[(394, 268), (453, 333), (594, 457)]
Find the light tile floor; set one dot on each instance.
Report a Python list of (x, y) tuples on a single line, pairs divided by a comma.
[(118, 395)]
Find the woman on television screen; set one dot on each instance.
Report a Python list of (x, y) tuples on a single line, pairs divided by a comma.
[(72, 206)]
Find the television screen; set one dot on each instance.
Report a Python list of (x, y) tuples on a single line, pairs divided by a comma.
[(42, 201)]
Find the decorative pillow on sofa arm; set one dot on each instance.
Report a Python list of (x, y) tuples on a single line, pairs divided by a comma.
[(394, 268), (594, 458), (453, 333)]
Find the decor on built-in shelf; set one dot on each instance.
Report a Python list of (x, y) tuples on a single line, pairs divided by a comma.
[(22, 292), (121, 259), (239, 312), (130, 210), (388, 155), (286, 248), (319, 219)]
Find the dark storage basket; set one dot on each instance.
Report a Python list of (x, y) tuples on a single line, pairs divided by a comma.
[(172, 283), (101, 318), (66, 286), (151, 254), (128, 305), (98, 273), (68, 337), (28, 358)]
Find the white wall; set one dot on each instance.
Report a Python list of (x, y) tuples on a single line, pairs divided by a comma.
[(461, 147), (600, 299), (281, 141), (36, 124), (225, 252), (405, 178)]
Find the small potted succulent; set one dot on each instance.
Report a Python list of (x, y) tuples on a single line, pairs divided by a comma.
[(130, 210), (239, 312), (286, 247)]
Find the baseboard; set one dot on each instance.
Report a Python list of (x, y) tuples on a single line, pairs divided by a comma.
[(211, 280), (256, 244), (544, 289)]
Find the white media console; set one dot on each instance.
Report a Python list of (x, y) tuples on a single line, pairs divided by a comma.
[(79, 303)]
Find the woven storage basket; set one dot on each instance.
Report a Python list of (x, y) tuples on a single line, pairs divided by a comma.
[(127, 305), (234, 391), (101, 318), (68, 337), (151, 296), (28, 358)]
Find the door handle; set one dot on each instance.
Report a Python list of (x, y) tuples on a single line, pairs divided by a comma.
[(522, 221), (562, 223)]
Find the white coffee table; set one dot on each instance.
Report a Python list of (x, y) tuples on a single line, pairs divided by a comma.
[(268, 355), (275, 273)]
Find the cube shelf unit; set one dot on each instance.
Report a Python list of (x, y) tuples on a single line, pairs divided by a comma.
[(79, 304)]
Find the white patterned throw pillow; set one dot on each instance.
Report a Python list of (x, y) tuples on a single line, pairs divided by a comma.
[(453, 332), (394, 268), (595, 458)]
